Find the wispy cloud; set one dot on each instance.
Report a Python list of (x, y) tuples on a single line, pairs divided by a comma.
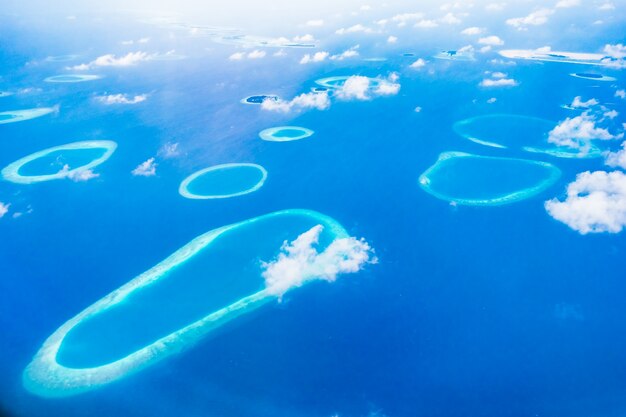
[(145, 169), (121, 99), (305, 101)]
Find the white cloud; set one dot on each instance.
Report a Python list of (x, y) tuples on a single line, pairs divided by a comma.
[(169, 150), (256, 54), (4, 209), (299, 261), (499, 82), (607, 6), (492, 100), (418, 109), (358, 87), (576, 132), (564, 4), (145, 169), (365, 8), (474, 30), (78, 175), (577, 103), (354, 29), (319, 101), (121, 99), (315, 23), (620, 94), (491, 40), (450, 19), (617, 159), (426, 24), (316, 57), (615, 51), (495, 7), (595, 203), (304, 38), (392, 39), (536, 18), (404, 18), (237, 56), (109, 60), (419, 63), (348, 53), (280, 52)]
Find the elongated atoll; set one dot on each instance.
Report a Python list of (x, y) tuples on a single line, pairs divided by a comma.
[(13, 116), (285, 133), (339, 80), (12, 171), (592, 76), (513, 131), (223, 181), (474, 180), (546, 55), (72, 78), (46, 376)]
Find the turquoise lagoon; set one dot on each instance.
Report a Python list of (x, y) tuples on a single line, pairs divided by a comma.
[(285, 133), (223, 181)]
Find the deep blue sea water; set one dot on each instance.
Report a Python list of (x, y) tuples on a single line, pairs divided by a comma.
[(470, 311)]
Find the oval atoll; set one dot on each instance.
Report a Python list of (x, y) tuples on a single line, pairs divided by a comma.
[(215, 278), (64, 161), (72, 78), (13, 116), (223, 181), (259, 98), (592, 76), (514, 131), (474, 180), (285, 133)]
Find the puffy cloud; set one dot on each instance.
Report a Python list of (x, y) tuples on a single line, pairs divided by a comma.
[(576, 132), (358, 87), (121, 99), (620, 94), (418, 109), (419, 63), (169, 150), (300, 261), (315, 23), (564, 4), (237, 56), (354, 29), (78, 175), (595, 203), (392, 39), (450, 19), (348, 53), (404, 18), (492, 100), (145, 169), (491, 40), (474, 30), (577, 103), (536, 18), (498, 82), (316, 57), (426, 24), (304, 38), (615, 55), (319, 101), (4, 209), (109, 60), (256, 54), (617, 159)]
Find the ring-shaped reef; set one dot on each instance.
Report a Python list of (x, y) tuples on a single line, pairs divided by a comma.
[(72, 78), (473, 180), (339, 80), (453, 55), (554, 56), (512, 131), (285, 133), (592, 76), (207, 283), (223, 181), (13, 116), (28, 170), (258, 99)]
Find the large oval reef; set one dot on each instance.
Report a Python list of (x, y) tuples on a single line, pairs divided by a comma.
[(592, 76), (338, 81), (259, 98), (215, 278), (72, 78), (473, 180), (547, 55), (518, 132), (72, 161), (285, 133), (13, 116), (223, 181)]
